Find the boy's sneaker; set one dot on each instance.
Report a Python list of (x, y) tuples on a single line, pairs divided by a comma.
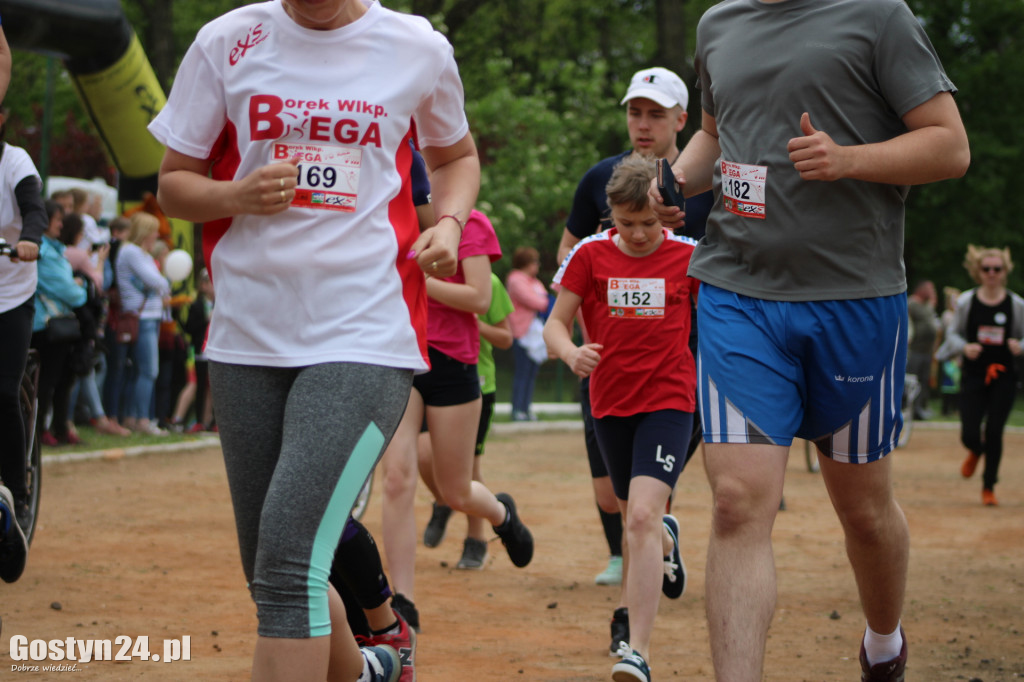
[(433, 534), (407, 610), (632, 668), (514, 534), (13, 546), (888, 671), (620, 633), (673, 583), (612, 574), (403, 641), (380, 664), (474, 553)]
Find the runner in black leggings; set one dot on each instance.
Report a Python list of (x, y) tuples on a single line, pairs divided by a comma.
[(987, 329)]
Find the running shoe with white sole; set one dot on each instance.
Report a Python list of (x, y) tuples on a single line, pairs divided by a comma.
[(632, 668), (403, 641), (381, 664)]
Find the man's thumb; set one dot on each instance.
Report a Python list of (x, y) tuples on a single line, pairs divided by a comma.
[(805, 124)]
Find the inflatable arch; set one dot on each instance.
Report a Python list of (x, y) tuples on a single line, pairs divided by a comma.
[(110, 70)]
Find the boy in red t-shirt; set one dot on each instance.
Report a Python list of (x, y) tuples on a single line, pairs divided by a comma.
[(631, 287)]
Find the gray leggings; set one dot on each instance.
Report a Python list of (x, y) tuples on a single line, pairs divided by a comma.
[(298, 445)]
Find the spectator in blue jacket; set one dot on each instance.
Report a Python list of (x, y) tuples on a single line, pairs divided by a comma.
[(58, 291)]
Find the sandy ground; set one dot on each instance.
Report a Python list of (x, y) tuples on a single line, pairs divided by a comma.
[(145, 546)]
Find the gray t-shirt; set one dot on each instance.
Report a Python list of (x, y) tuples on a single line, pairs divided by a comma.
[(856, 66)]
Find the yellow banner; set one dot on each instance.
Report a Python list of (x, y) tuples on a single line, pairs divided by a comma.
[(123, 99)]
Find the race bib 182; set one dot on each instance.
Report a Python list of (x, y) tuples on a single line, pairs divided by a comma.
[(743, 188)]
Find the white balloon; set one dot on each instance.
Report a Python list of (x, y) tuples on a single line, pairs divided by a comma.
[(178, 265)]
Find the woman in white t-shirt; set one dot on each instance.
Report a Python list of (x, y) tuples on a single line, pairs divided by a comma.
[(287, 133)]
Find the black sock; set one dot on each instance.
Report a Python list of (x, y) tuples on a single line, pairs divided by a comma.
[(392, 629), (612, 531)]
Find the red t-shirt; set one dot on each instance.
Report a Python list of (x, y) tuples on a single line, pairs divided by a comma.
[(454, 332), (638, 308)]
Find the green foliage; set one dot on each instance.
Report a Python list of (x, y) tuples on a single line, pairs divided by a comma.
[(75, 148), (533, 155), (981, 44), (543, 79)]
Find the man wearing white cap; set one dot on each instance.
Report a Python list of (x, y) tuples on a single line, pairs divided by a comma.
[(655, 114)]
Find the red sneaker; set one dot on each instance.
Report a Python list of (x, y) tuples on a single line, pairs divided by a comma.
[(887, 671), (988, 498), (403, 641), (969, 465), (48, 440)]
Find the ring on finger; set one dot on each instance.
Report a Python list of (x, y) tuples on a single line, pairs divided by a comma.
[(433, 266), (282, 182), (283, 199)]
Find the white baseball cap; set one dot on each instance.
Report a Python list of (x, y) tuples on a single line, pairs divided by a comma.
[(659, 85)]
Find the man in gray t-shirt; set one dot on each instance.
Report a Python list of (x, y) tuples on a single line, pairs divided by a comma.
[(817, 117)]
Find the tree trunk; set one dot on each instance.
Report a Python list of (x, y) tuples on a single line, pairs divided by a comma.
[(159, 40), (673, 52)]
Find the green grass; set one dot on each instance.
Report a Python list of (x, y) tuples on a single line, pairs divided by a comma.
[(1016, 415)]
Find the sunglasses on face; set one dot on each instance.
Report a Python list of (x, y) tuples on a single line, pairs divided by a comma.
[(991, 268)]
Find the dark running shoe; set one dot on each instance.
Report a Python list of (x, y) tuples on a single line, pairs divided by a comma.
[(13, 546), (888, 671), (620, 633), (632, 668), (673, 583), (433, 534), (474, 553), (514, 534), (403, 641), (407, 610), (382, 664)]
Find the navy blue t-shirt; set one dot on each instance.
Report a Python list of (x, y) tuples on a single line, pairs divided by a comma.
[(420, 180), (590, 212)]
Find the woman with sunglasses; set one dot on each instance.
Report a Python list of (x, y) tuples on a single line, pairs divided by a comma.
[(987, 329)]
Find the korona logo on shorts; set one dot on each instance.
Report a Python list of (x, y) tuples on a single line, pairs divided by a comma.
[(853, 380), (253, 37)]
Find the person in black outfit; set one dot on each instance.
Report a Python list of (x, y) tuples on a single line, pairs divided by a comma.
[(987, 329)]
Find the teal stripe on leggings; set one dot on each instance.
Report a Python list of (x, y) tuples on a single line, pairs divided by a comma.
[(360, 463)]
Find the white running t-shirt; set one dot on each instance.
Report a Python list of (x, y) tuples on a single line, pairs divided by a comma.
[(328, 279), (17, 280)]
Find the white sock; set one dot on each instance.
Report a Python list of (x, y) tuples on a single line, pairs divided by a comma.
[(882, 648)]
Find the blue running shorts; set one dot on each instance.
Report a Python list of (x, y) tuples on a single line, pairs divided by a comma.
[(828, 371)]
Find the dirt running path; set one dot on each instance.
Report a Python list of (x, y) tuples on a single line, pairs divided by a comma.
[(146, 546)]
